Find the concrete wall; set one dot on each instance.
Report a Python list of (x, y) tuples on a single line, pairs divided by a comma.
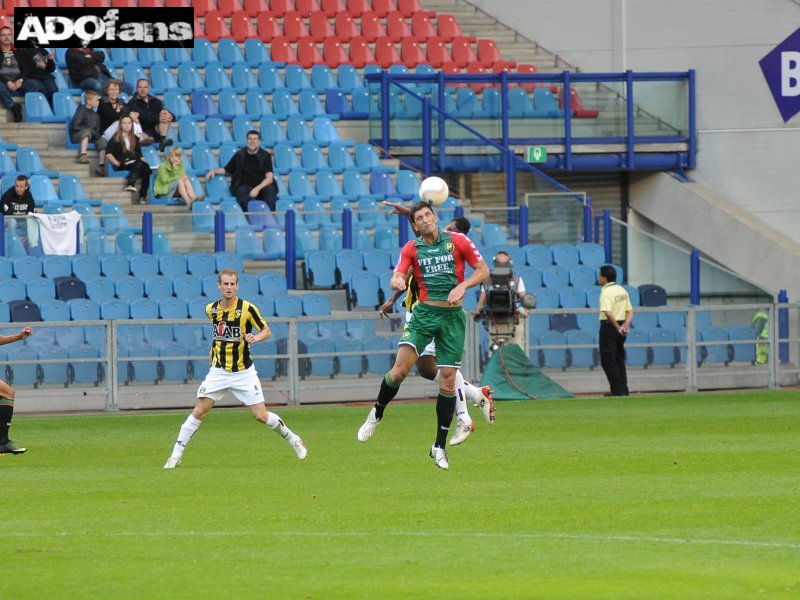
[(747, 155)]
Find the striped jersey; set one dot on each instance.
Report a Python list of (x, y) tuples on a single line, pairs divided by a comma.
[(438, 267), (229, 350), (412, 294)]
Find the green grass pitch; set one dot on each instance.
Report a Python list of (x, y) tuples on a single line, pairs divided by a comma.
[(670, 496)]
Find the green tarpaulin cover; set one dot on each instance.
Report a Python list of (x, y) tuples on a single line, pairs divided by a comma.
[(512, 377)]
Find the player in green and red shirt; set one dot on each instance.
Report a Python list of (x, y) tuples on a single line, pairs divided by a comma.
[(437, 259)]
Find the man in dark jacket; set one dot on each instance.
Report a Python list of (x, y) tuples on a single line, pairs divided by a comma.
[(36, 67), (251, 173), (10, 79), (154, 118), (87, 71)]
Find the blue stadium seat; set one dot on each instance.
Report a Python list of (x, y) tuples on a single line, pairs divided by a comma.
[(242, 77), (718, 352), (24, 311), (87, 370), (114, 266), (743, 347), (37, 109), (129, 288), (41, 290), (274, 244), (143, 265), (158, 287), (323, 366), (144, 308), (663, 355), (637, 354), (673, 320), (71, 189), (553, 358), (82, 309), (340, 157), (114, 310), (572, 298), (582, 358), (128, 243), (173, 308), (174, 369), (248, 285), (591, 254), (27, 268), (538, 255), (555, 277), (30, 163), (316, 305), (652, 295), (85, 267), (272, 284), (348, 262), (364, 288), (583, 276), (172, 265), (565, 255), (229, 260), (288, 306), (531, 276), (350, 364), (100, 289), (98, 243)]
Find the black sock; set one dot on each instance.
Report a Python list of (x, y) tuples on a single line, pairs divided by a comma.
[(6, 412), (445, 408), (385, 395)]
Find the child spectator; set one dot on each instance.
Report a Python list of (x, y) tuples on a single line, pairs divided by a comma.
[(172, 180), (85, 128)]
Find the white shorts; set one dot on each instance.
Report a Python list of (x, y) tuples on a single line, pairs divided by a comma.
[(430, 349), (244, 385)]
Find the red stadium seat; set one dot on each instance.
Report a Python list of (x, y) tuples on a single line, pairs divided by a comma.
[(65, 4), (198, 29), (503, 65), (408, 7), (294, 26), (476, 68), (177, 3), (281, 7), (114, 3), (397, 28), (268, 28), (361, 53), (242, 27), (333, 7), (319, 27), (229, 8), (411, 53), (488, 54), (308, 54), (526, 68), (463, 52), (372, 26), (201, 7), (356, 8), (451, 68), (438, 53), (334, 53), (346, 28), (149, 4), (422, 27), (384, 7), (281, 50), (307, 7), (386, 53), (254, 8), (579, 111), (216, 26), (447, 27)]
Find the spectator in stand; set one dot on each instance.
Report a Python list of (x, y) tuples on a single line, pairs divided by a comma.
[(85, 128), (155, 119), (36, 66), (251, 173), (172, 180), (87, 71), (125, 154), (18, 200), (10, 78), (112, 108)]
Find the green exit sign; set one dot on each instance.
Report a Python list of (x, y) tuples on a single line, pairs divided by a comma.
[(537, 154)]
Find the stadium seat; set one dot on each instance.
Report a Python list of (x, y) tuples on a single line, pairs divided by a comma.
[(363, 290), (663, 355), (361, 53), (582, 358), (229, 260), (651, 295), (565, 255), (743, 347), (69, 288)]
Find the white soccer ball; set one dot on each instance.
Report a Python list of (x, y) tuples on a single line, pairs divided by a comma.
[(434, 190)]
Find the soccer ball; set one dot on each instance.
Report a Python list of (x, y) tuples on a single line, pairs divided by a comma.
[(433, 190)]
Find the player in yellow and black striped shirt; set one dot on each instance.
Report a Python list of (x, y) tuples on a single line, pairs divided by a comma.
[(234, 321)]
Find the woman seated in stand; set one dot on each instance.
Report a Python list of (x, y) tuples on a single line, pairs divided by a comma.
[(123, 153)]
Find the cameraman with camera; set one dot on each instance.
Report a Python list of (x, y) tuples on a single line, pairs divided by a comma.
[(499, 302)]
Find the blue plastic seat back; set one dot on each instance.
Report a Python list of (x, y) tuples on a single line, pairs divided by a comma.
[(316, 305), (565, 255)]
